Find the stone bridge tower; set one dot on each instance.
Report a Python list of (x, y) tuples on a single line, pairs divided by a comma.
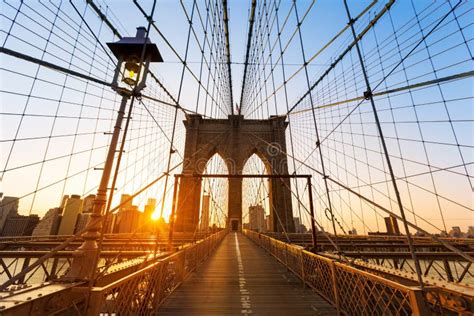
[(235, 139)]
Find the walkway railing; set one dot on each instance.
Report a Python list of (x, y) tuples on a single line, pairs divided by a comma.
[(143, 291), (352, 290)]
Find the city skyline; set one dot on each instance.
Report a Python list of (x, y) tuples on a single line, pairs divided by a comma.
[(73, 120), (211, 157)]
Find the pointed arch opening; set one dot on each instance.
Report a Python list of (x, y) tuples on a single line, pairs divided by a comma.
[(214, 195), (255, 195)]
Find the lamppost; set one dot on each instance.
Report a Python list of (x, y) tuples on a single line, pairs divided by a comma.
[(134, 55)]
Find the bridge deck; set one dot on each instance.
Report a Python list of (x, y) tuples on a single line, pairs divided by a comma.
[(241, 278)]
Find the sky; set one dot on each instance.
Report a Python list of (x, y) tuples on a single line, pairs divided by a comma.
[(54, 102)]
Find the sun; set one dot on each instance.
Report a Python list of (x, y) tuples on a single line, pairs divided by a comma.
[(155, 216)]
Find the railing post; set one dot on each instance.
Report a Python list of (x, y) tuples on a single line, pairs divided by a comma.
[(313, 219), (173, 210), (334, 287), (417, 302), (302, 268), (84, 263), (160, 284), (210, 243), (183, 266), (95, 303)]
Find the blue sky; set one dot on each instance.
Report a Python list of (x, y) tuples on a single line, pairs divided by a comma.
[(72, 45)]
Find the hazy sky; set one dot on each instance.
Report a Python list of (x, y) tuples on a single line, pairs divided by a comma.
[(54, 103)]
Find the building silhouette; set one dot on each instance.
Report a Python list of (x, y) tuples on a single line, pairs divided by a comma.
[(204, 225), (82, 221), (19, 225), (470, 232), (8, 207), (146, 222), (71, 211), (353, 231), (109, 223), (128, 220), (88, 203), (299, 227), (456, 232), (128, 217), (63, 202), (392, 225), (49, 224), (257, 218), (126, 202)]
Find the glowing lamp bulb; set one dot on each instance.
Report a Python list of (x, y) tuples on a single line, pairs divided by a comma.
[(130, 72)]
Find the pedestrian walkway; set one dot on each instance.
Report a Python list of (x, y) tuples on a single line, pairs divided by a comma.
[(240, 278)]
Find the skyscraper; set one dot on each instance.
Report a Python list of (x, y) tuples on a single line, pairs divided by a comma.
[(49, 224), (88, 203), (299, 227), (392, 225), (127, 204), (19, 225), (63, 202), (146, 223), (82, 221), (456, 232), (150, 208), (70, 212), (205, 213), (257, 218), (128, 220), (470, 232), (8, 207)]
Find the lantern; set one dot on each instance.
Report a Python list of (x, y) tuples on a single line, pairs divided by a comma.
[(131, 72)]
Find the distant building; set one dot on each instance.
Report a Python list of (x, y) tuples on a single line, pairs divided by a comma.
[(126, 205), (470, 232), (63, 202), (19, 225), (82, 221), (150, 208), (49, 224), (127, 220), (456, 232), (8, 207), (353, 231), (146, 222), (88, 203), (392, 226), (299, 227), (204, 225), (109, 223), (70, 213), (296, 220), (257, 218)]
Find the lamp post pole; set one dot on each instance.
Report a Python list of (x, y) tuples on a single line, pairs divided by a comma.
[(83, 262), (313, 219), (133, 71)]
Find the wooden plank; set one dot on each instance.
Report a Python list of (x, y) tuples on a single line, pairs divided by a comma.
[(241, 278)]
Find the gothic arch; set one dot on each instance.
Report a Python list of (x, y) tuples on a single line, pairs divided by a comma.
[(235, 139)]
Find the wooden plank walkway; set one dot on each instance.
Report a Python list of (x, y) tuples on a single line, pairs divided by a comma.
[(240, 278)]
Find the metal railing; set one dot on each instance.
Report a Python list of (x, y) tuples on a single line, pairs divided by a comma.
[(142, 292), (354, 291)]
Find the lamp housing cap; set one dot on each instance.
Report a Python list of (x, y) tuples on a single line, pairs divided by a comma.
[(132, 46)]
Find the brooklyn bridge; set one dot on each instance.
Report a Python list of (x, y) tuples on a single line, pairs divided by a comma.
[(227, 157)]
